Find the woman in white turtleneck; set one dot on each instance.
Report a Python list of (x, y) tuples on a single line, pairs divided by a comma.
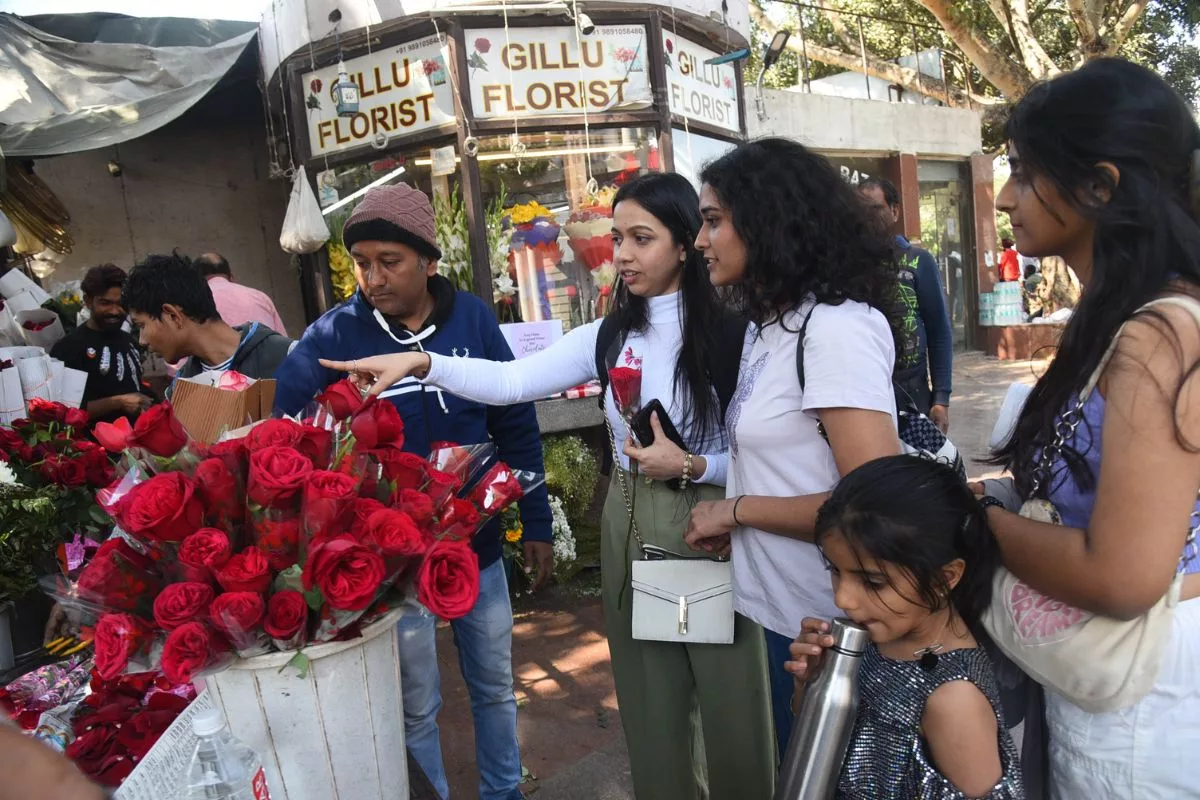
[(666, 319)]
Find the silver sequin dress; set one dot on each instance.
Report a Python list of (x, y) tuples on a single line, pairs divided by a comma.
[(887, 756)]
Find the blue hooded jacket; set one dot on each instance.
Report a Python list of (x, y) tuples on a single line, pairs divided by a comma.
[(461, 325), (926, 348)]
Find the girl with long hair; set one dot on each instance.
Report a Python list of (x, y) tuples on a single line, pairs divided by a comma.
[(1111, 187), (667, 319), (817, 279)]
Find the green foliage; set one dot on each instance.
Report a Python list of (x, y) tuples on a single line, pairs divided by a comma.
[(29, 535), (571, 473)]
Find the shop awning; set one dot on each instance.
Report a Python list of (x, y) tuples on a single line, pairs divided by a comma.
[(115, 79)]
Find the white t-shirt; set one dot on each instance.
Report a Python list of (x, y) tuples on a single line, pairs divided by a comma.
[(572, 360), (776, 451)]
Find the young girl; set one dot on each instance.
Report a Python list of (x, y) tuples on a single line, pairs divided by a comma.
[(668, 320), (911, 560)]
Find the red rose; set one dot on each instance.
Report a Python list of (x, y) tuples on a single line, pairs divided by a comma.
[(142, 730), (377, 424), (64, 471), (159, 431), (273, 433), (448, 584), (207, 548), (326, 496), (219, 492), (460, 519), (483, 45), (286, 614), (442, 486), (100, 757), (316, 444), (357, 512), (10, 440), (276, 476), (46, 411), (118, 638), (162, 509), (497, 491), (342, 399), (76, 418), (238, 615), (248, 571), (347, 573), (187, 650), (118, 577), (233, 452), (417, 505), (277, 535), (394, 533), (181, 602), (405, 470), (626, 385), (114, 436)]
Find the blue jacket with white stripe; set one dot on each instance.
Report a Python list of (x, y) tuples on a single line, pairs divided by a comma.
[(461, 325)]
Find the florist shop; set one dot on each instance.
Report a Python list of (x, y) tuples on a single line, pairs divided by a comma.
[(520, 126)]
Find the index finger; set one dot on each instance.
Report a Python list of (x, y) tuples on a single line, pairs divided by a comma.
[(339, 366)]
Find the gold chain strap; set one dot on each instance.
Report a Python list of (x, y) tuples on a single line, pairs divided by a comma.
[(612, 440)]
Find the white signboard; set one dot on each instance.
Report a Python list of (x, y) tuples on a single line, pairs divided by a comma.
[(528, 72), (701, 92), (527, 338), (401, 90)]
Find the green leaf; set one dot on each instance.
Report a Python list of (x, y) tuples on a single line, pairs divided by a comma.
[(300, 662), (314, 599), (97, 515), (290, 578)]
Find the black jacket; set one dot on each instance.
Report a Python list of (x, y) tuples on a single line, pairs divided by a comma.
[(258, 356)]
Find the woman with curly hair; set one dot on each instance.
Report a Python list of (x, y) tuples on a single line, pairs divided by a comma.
[(817, 280)]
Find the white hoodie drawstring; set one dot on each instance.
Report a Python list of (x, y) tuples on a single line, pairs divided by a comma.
[(413, 339)]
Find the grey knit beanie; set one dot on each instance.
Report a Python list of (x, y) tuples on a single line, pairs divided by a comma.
[(396, 213)]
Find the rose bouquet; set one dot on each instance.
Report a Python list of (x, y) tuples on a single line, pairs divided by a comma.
[(296, 533), (589, 232)]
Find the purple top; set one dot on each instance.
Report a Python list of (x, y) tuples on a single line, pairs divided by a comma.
[(1074, 504)]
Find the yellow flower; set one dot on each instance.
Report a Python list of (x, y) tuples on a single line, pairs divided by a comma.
[(513, 535), (527, 212)]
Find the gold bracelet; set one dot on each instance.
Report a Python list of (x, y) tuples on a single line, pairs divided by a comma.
[(687, 469)]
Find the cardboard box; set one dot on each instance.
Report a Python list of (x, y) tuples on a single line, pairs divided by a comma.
[(207, 411)]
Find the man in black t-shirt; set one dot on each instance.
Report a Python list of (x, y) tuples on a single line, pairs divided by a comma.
[(108, 355)]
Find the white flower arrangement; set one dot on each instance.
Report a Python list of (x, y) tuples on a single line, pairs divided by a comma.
[(564, 539), (9, 478)]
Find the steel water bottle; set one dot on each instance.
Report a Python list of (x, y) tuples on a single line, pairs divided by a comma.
[(821, 732)]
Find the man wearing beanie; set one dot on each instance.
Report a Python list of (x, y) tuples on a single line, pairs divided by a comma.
[(403, 304)]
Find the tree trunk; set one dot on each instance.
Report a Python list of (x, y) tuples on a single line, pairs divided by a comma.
[(1010, 78)]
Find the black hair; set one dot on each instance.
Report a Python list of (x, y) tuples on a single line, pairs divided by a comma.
[(169, 279), (1146, 233), (99, 279), (891, 195), (213, 264), (917, 514), (673, 201), (805, 230), (1007, 243)]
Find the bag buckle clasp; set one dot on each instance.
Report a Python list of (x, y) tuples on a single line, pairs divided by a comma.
[(683, 616)]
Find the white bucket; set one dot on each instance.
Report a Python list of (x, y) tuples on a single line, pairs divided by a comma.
[(337, 733)]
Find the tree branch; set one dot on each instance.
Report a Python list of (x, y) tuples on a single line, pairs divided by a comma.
[(1120, 31), (1009, 77), (1036, 59), (834, 15), (1088, 26)]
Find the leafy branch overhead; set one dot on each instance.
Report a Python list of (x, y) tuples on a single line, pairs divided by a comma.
[(993, 51)]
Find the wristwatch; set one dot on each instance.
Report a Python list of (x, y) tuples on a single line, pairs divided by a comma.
[(987, 501)]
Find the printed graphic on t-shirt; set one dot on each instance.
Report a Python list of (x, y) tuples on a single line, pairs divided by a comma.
[(908, 346), (745, 388)]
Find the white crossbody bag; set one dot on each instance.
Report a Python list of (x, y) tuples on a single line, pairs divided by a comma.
[(676, 598)]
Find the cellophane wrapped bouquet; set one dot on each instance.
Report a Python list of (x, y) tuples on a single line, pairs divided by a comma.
[(298, 532)]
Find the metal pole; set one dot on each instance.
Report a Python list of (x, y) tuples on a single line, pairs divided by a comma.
[(803, 56), (862, 47)]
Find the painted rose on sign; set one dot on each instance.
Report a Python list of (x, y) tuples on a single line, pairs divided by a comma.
[(670, 46), (476, 61)]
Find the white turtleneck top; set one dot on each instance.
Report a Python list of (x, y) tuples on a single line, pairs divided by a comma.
[(572, 360)]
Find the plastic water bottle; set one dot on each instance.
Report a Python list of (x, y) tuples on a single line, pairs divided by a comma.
[(222, 767)]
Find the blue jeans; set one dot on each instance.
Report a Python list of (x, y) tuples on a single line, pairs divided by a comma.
[(783, 686), (484, 641)]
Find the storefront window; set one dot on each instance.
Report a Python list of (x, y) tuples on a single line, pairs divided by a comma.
[(693, 151), (946, 221), (549, 199), (340, 189)]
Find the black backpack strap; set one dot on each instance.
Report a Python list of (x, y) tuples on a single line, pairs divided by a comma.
[(608, 349), (727, 360), (800, 346)]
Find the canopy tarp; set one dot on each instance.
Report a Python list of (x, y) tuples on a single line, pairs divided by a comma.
[(131, 76)]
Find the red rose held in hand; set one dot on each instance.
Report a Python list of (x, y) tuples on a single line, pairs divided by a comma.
[(162, 509), (159, 431), (187, 650), (394, 533), (181, 602), (287, 612), (118, 638), (626, 385), (448, 584), (273, 433), (238, 615), (377, 424), (277, 475), (248, 571), (347, 573), (342, 399)]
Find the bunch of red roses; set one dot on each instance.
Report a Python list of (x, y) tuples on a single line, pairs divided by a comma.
[(298, 532), (53, 446)]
